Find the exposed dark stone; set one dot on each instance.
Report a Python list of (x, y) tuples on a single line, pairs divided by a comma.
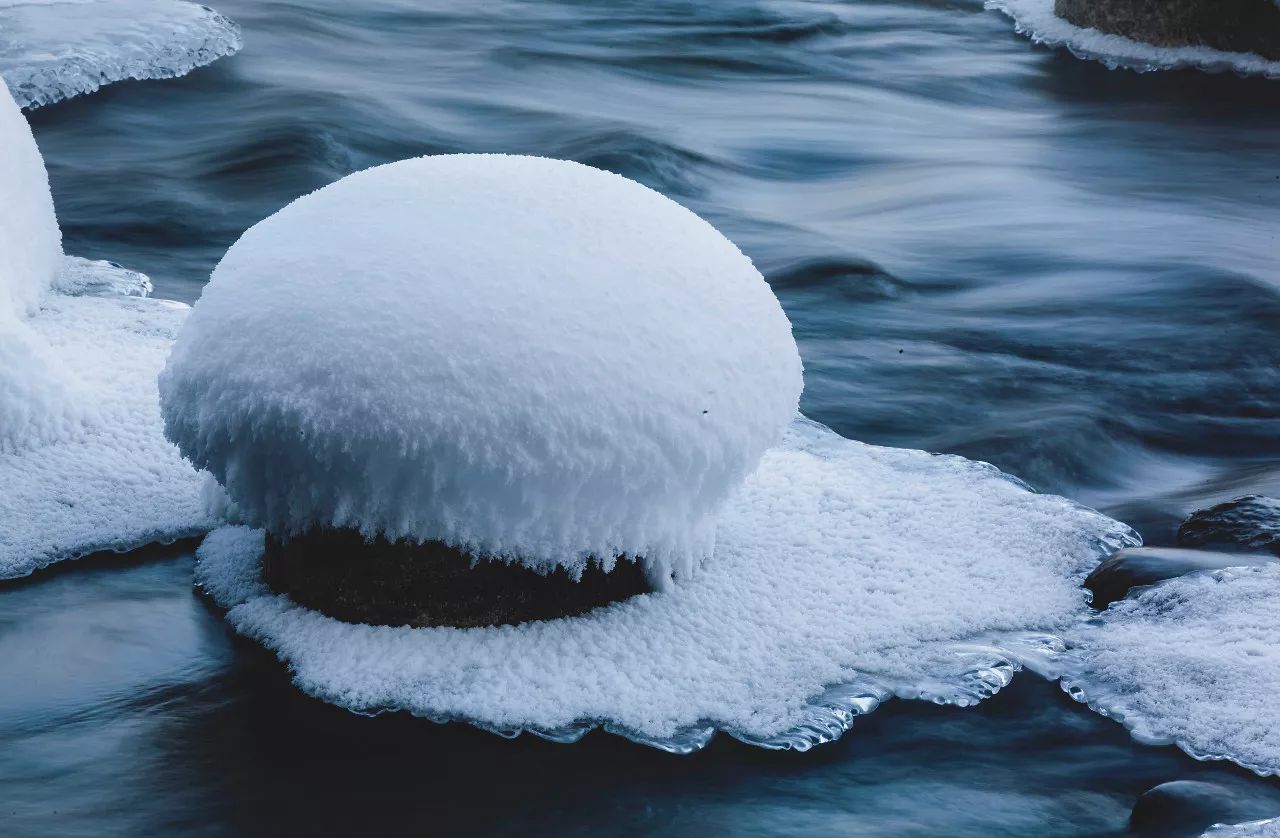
[(1251, 521), (1189, 807), (1130, 568), (1232, 25), (400, 583)]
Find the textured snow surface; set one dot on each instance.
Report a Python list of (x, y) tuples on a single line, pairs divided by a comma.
[(55, 49), (1036, 20), (84, 465), (523, 357), (1193, 661), (843, 573), (107, 479)]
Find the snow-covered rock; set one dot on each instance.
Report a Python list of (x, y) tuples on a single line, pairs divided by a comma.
[(1036, 19), (521, 357), (84, 465), (55, 49), (843, 574), (30, 241), (1193, 661)]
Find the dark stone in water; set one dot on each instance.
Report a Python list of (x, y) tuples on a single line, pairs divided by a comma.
[(1189, 807), (1232, 25), (401, 583), (1127, 569), (1251, 521)]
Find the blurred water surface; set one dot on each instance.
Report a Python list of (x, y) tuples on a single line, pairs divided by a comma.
[(985, 247)]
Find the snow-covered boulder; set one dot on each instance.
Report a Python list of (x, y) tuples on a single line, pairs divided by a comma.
[(84, 465), (30, 241), (523, 358), (1239, 36), (34, 399)]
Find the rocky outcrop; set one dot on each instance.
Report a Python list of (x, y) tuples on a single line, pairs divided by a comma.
[(1251, 521), (404, 584), (1232, 25)]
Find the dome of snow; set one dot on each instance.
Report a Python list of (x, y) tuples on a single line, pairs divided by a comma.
[(30, 241), (522, 357), (33, 400)]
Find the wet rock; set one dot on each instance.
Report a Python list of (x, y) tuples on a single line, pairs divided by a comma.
[(1131, 568), (1250, 521), (1189, 807), (1232, 25), (400, 583)]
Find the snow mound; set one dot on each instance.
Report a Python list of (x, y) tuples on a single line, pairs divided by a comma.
[(1036, 20), (84, 465), (30, 241), (524, 358), (55, 49), (843, 574), (1193, 661), (35, 400)]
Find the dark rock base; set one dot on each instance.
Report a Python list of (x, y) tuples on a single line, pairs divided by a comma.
[(1232, 25), (404, 584), (1134, 567)]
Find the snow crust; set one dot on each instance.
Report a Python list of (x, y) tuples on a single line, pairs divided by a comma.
[(843, 574), (84, 465), (1253, 829), (1036, 20), (526, 358), (1193, 661), (55, 49)]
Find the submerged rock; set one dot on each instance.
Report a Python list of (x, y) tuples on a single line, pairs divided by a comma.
[(1134, 567), (1231, 25), (1188, 807), (1249, 521), (402, 583)]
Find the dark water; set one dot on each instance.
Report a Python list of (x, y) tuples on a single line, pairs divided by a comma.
[(985, 248)]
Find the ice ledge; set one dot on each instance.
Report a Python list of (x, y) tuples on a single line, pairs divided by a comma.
[(50, 51)]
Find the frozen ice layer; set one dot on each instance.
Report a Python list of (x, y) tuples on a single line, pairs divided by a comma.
[(84, 465), (1193, 661), (1036, 20), (55, 49), (843, 574), (523, 358)]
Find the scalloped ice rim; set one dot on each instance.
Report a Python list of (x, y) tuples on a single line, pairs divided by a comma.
[(1064, 659), (71, 47), (115, 484), (1036, 20), (342, 663)]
